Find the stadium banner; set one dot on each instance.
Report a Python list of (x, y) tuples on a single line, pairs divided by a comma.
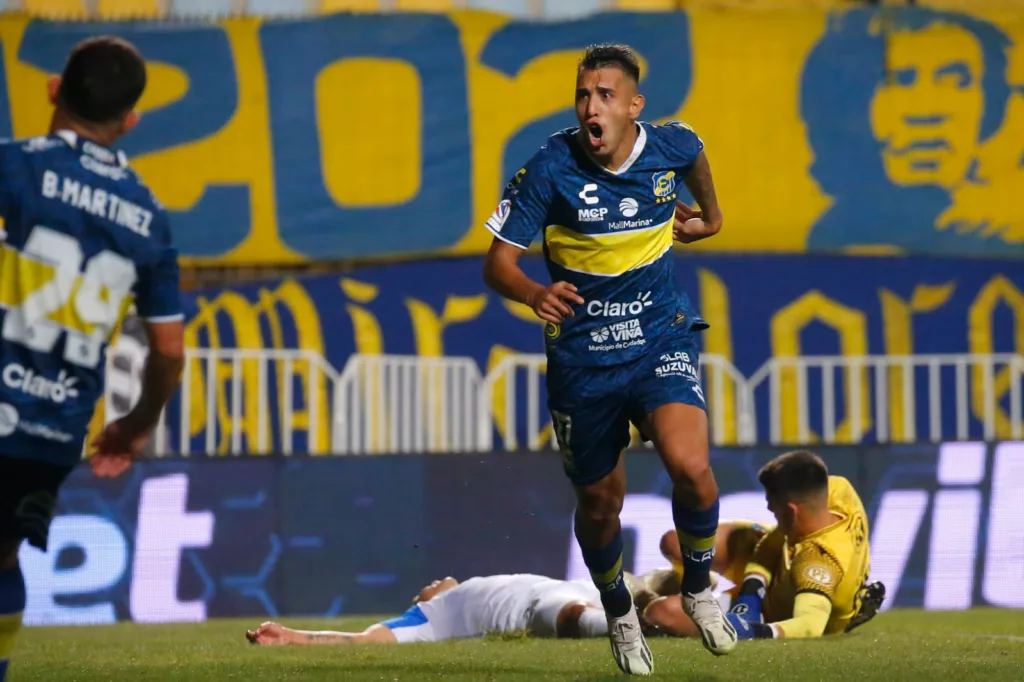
[(883, 129), (759, 307), (204, 538)]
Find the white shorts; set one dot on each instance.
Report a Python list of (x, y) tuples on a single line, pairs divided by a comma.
[(549, 600), (474, 608)]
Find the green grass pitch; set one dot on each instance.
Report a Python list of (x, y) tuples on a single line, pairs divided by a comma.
[(898, 646)]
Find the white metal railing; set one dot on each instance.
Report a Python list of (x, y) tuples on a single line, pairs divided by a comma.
[(232, 401), (883, 393), (235, 401), (399, 403)]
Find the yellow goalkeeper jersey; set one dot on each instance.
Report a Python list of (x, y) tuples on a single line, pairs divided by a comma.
[(832, 562)]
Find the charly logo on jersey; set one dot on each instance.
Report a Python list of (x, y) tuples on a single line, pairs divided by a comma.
[(500, 215), (590, 215), (620, 308), (664, 186), (585, 194), (629, 207), (25, 379)]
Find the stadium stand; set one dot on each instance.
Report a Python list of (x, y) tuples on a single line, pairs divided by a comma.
[(548, 9)]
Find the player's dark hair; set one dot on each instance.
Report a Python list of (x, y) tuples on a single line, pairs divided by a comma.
[(103, 79), (607, 54), (796, 475)]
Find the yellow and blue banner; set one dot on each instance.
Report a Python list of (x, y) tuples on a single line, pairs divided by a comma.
[(759, 307), (363, 135)]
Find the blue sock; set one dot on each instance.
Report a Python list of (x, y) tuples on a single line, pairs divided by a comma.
[(696, 530), (605, 565), (12, 603)]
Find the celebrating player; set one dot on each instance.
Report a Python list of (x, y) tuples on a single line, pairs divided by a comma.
[(621, 339), (81, 237), (808, 576), (447, 609)]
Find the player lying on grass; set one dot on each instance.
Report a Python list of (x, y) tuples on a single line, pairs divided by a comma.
[(543, 606), (447, 609), (808, 576)]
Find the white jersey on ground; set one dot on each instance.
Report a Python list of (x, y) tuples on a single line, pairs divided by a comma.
[(492, 604)]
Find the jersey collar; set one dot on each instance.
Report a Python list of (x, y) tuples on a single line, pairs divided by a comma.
[(638, 148), (94, 149)]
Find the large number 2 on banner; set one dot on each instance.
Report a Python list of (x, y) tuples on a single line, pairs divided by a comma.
[(107, 272)]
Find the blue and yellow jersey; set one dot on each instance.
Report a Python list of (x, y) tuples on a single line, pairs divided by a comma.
[(610, 234), (81, 240)]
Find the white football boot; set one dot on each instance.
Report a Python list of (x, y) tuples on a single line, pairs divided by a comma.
[(718, 633), (629, 646)]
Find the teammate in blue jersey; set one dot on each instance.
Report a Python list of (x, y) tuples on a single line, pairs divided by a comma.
[(81, 239), (620, 336)]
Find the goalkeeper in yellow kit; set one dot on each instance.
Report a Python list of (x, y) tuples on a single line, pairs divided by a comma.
[(808, 576)]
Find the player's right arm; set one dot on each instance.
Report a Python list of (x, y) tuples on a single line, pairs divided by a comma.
[(158, 302), (516, 222)]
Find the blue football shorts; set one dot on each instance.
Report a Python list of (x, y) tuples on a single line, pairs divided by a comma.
[(592, 407)]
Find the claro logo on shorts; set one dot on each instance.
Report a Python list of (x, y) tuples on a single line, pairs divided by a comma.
[(27, 381)]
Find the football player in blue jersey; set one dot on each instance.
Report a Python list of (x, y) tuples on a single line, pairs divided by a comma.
[(620, 336), (81, 239)]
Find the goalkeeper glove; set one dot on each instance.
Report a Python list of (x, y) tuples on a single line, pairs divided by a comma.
[(749, 630), (748, 603)]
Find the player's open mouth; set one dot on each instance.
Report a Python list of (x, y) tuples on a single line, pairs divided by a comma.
[(594, 134)]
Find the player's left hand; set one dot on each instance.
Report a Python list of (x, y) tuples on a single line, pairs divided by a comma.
[(120, 444), (684, 214), (109, 466), (743, 629)]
